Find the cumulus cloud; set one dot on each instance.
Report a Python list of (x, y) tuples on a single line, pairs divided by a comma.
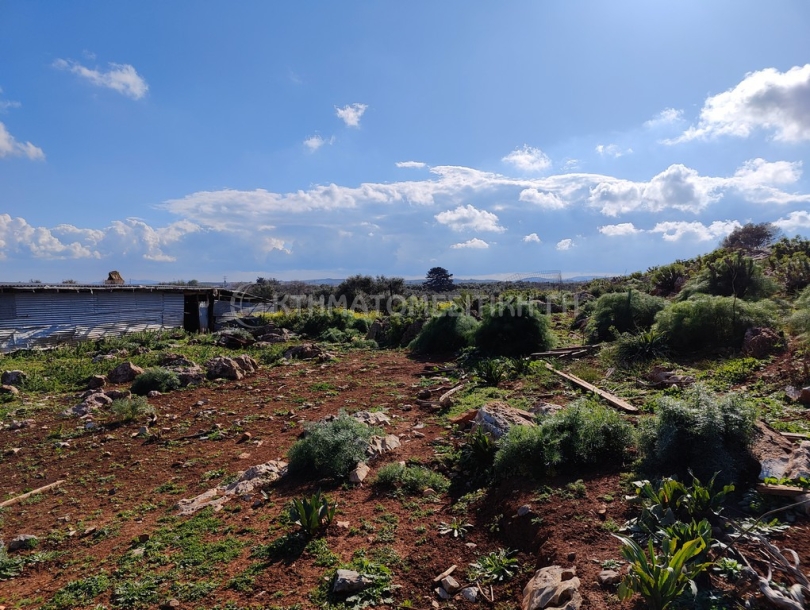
[(121, 238), (411, 164), (313, 143), (612, 150), (474, 243), (549, 201), (677, 230), (10, 147), (468, 218), (122, 78), (778, 102), (794, 222), (351, 114), (528, 159), (619, 230), (565, 244), (532, 238)]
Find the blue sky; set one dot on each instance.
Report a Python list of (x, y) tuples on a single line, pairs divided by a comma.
[(179, 140)]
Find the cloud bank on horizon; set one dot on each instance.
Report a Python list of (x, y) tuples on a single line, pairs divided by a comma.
[(619, 199)]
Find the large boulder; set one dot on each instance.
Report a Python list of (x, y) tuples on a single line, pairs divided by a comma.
[(762, 342), (234, 368), (496, 418), (308, 351), (552, 588), (126, 372), (15, 378), (349, 581)]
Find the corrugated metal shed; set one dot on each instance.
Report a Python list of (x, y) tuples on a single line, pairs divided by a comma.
[(49, 318)]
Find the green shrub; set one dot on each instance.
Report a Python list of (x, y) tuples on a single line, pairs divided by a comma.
[(711, 321), (668, 279), (411, 479), (446, 332), (734, 274), (526, 451), (799, 322), (330, 448), (496, 566), (491, 371), (129, 409), (160, 379), (477, 457), (622, 312), (513, 329), (647, 345), (589, 434), (699, 432)]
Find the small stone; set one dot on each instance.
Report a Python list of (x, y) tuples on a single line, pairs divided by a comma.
[(417, 434), (143, 538), (13, 451), (447, 572), (349, 581), (153, 394), (423, 394), (524, 510), (470, 545), (244, 438), (96, 381), (429, 491), (143, 431), (359, 474), (450, 584), (172, 603), (90, 530), (434, 604), (469, 594), (23, 542), (343, 525), (9, 389), (442, 593), (137, 552), (91, 425), (15, 378), (243, 456), (608, 578), (572, 557), (63, 445)]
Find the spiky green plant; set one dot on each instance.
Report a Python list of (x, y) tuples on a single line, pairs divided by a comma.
[(312, 513)]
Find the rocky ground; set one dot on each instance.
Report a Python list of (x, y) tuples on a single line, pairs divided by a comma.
[(112, 532)]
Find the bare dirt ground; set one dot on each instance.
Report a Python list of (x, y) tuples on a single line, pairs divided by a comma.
[(120, 493)]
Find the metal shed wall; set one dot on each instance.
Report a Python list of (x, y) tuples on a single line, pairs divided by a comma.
[(48, 318)]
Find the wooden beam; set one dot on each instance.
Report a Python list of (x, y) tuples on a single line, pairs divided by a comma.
[(612, 399), (781, 490), (16, 499)]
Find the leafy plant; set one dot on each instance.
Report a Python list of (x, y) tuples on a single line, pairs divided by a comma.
[(660, 578), (313, 513), (330, 448), (159, 379), (9, 566), (528, 451), (411, 479), (131, 409), (456, 527), (728, 568), (491, 371), (496, 566), (641, 347)]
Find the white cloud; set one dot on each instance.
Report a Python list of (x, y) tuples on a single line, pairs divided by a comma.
[(474, 243), (351, 114), (122, 78), (313, 143), (468, 218), (6, 104), (121, 238), (532, 238), (10, 147), (668, 116), (775, 101), (793, 222), (675, 231), (619, 230), (411, 164), (612, 150), (528, 159), (549, 201), (565, 244)]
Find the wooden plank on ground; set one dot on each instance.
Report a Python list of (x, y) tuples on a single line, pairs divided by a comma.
[(612, 399), (565, 351), (795, 436), (19, 498), (780, 490)]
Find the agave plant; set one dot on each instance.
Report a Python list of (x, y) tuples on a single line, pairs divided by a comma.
[(313, 513)]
